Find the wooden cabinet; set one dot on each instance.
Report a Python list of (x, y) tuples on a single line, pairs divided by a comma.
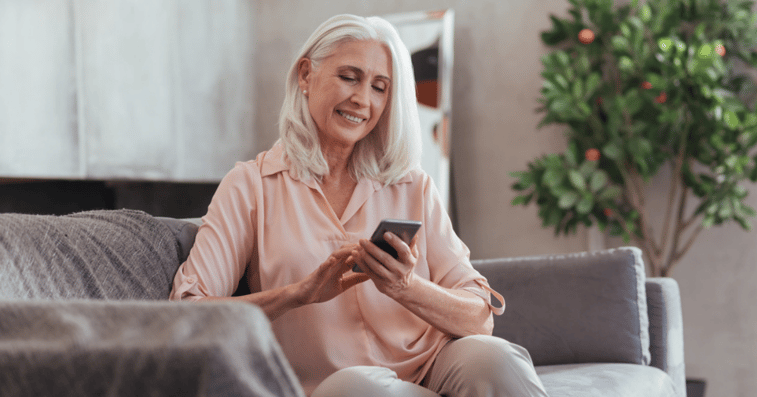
[(123, 89)]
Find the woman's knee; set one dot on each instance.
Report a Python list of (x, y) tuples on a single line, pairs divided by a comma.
[(494, 360), (368, 382), (347, 381), (483, 365), (492, 352)]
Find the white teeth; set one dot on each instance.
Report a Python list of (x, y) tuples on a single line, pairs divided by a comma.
[(350, 118)]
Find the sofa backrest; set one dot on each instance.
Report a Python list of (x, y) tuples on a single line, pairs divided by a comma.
[(107, 254), (576, 308)]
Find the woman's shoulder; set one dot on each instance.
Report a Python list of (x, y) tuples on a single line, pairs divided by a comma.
[(414, 179), (265, 163)]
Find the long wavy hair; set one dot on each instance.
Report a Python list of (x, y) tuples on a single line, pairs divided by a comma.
[(388, 152)]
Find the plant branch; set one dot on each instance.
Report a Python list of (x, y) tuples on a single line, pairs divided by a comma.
[(680, 225), (675, 181), (640, 206)]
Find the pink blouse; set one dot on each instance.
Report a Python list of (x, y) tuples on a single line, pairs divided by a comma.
[(278, 229)]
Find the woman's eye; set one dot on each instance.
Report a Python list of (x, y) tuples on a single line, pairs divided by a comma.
[(379, 89), (347, 78)]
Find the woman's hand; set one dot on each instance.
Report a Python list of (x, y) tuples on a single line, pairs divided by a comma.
[(332, 277), (391, 276), (456, 312)]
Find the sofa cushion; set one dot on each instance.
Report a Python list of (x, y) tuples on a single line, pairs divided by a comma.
[(602, 380), (577, 308), (107, 254)]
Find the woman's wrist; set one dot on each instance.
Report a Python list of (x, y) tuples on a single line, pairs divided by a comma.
[(296, 295)]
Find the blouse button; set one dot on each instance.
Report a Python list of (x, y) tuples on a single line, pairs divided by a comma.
[(191, 279)]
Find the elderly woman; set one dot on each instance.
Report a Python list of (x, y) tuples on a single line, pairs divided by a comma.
[(294, 222)]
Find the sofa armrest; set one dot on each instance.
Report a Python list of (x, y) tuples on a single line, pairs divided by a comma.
[(185, 231), (666, 329), (96, 348)]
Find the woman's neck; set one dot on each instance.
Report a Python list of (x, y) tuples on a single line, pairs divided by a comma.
[(338, 159)]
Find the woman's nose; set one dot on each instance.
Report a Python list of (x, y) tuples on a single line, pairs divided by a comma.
[(361, 95)]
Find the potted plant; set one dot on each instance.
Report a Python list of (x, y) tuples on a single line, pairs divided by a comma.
[(640, 87)]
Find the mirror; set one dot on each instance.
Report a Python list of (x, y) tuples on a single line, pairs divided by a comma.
[(429, 38)]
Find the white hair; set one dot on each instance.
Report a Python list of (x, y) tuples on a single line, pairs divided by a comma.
[(388, 152)]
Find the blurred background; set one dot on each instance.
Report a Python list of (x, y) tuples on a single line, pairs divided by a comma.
[(495, 83)]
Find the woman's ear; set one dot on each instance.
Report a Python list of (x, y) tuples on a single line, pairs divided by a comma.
[(304, 67)]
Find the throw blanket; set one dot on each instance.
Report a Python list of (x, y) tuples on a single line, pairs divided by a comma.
[(108, 254), (125, 348), (71, 345)]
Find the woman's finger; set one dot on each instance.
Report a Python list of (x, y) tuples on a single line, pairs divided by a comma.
[(350, 280), (379, 262), (403, 251)]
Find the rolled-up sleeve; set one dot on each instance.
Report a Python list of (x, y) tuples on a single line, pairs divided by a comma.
[(224, 242)]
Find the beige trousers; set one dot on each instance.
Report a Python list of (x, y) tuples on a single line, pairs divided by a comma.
[(474, 366)]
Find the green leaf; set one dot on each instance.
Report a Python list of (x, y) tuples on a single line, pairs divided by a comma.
[(745, 224), (725, 211), (626, 64), (563, 58), (750, 120), (585, 204), (562, 81), (561, 105), (706, 51), (521, 200), (747, 210), (640, 147), (584, 109), (568, 200), (578, 89), (552, 177), (731, 119), (557, 34), (553, 161), (699, 31), (633, 101), (587, 168), (592, 82), (552, 217), (577, 180), (571, 155), (646, 13), (611, 193), (583, 65), (598, 181), (612, 151), (665, 44), (620, 43), (625, 30), (525, 179)]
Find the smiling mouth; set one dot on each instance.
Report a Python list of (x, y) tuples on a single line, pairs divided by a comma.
[(353, 119)]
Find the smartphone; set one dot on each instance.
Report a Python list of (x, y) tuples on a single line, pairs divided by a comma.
[(403, 229)]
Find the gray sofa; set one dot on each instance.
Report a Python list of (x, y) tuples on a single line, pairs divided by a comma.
[(83, 312)]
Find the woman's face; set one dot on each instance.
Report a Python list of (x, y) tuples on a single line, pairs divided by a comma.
[(348, 91)]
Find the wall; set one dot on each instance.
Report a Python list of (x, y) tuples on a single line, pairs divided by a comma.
[(496, 83)]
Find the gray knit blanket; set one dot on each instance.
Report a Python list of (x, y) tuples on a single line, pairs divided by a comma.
[(75, 319), (113, 254)]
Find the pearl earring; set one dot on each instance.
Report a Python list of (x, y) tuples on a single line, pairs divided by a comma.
[(304, 92)]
